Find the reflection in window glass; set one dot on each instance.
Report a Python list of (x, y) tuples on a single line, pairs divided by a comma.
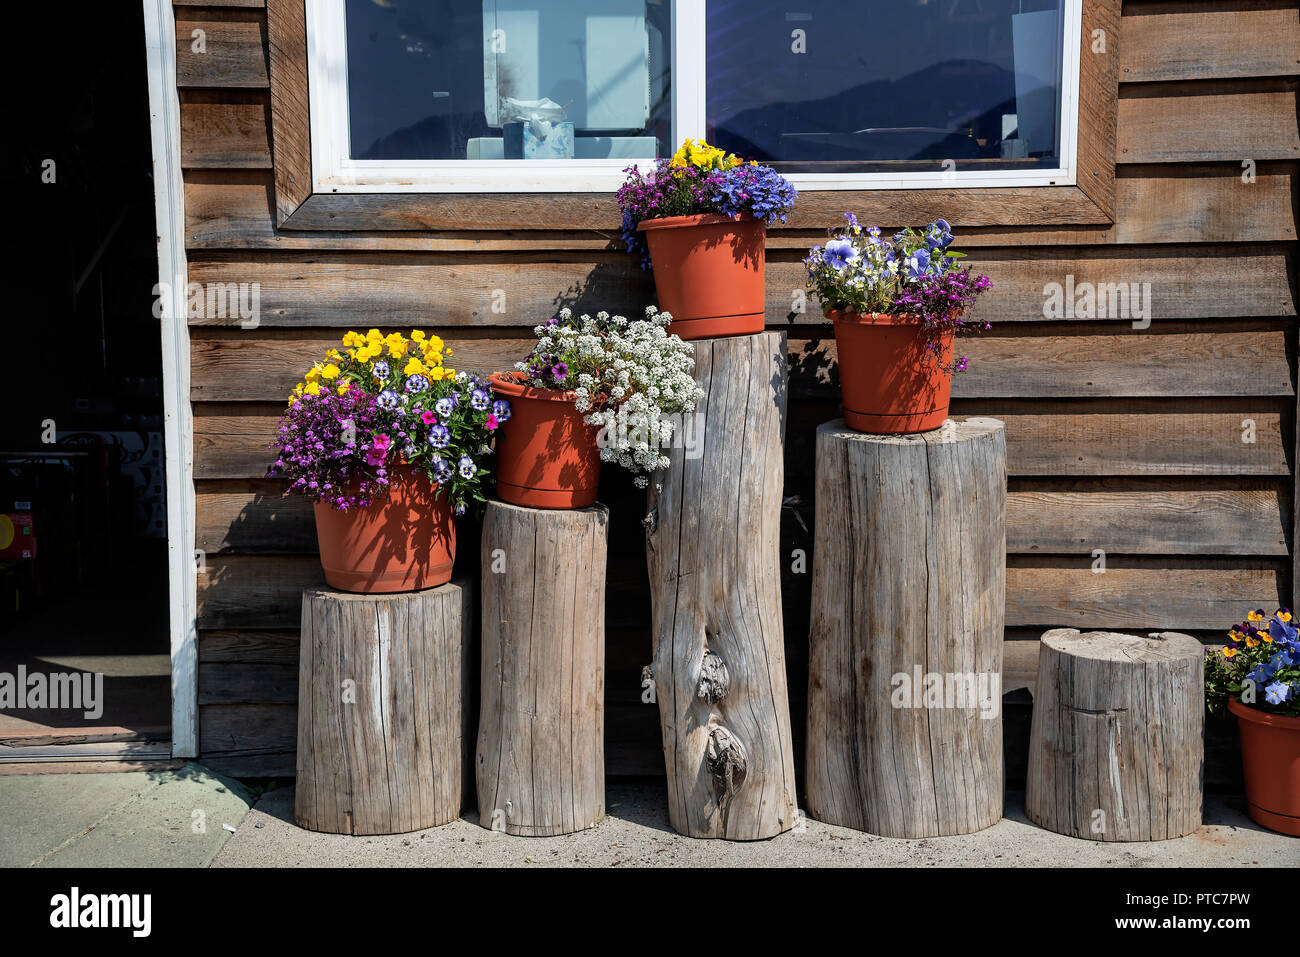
[(887, 85), (508, 79)]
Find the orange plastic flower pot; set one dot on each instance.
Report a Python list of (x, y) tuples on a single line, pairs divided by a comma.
[(402, 541), (1270, 763), (709, 273), (547, 455), (891, 383)]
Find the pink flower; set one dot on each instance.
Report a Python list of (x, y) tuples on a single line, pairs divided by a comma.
[(375, 456), (428, 418), (492, 421)]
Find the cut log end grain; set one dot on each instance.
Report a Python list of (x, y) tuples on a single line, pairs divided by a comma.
[(1116, 744)]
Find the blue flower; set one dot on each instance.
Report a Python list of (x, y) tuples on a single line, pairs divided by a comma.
[(840, 252), (439, 436), (938, 234), (460, 509), (416, 383), (478, 400), (445, 406), (918, 263), (853, 223), (467, 467), (387, 399), (1277, 692), (501, 409), (1282, 631), (441, 469), (379, 370)]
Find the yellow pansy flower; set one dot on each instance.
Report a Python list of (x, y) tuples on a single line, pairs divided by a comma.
[(331, 371), (344, 387), (414, 367), (374, 335), (313, 373), (353, 338), (1284, 616), (1229, 652), (1265, 636), (1255, 616), (313, 388), (417, 335)]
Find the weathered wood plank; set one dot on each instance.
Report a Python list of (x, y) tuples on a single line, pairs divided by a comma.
[(225, 129), (1197, 41), (1209, 596), (1184, 437), (249, 647), (1165, 124), (1122, 516), (290, 104), (1154, 204), (225, 53), (1020, 362), (516, 289), (243, 683), (261, 366), (250, 591), (1203, 437), (241, 730)]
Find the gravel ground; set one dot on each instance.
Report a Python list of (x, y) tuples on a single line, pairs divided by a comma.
[(636, 834)]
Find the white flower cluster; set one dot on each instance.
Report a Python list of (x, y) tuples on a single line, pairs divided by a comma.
[(629, 376)]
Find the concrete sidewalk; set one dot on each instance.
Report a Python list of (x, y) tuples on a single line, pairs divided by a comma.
[(636, 834), (170, 818)]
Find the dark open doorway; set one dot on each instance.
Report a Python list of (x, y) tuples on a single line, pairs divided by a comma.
[(83, 547)]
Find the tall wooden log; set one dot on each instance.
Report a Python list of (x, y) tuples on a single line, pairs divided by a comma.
[(541, 739), (381, 717), (905, 643), (1116, 748), (713, 550)]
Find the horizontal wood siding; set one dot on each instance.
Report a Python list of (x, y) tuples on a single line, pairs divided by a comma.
[(1152, 462)]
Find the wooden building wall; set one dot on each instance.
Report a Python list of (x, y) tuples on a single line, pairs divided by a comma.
[(1120, 439)]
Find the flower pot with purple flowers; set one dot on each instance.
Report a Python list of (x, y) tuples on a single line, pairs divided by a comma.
[(593, 390), (700, 221), (897, 305), (391, 445), (1257, 675)]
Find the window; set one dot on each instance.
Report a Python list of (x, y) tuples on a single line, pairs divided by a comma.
[(561, 95)]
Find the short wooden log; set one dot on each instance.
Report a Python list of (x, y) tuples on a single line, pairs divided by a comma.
[(381, 721), (905, 642), (713, 550), (1116, 748), (541, 758)]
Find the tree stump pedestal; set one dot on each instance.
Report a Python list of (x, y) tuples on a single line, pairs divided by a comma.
[(1116, 748), (713, 551), (905, 643), (381, 717), (541, 738)]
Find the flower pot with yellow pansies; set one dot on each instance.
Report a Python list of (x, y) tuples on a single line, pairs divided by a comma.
[(391, 444)]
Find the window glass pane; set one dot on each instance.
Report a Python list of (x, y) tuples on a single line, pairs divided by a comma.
[(458, 79), (887, 85)]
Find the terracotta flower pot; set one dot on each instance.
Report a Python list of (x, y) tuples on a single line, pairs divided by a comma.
[(402, 541), (546, 455), (1270, 761), (891, 383), (709, 273)]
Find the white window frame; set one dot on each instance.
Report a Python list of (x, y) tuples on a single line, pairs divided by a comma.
[(334, 171)]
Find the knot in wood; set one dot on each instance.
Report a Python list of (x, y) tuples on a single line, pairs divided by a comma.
[(715, 682), (727, 763), (651, 521)]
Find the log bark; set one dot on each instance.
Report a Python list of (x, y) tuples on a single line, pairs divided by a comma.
[(713, 551), (1116, 747), (541, 759), (905, 641), (381, 717)]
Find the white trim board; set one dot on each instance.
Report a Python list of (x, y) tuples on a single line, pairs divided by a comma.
[(178, 430), (334, 171)]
